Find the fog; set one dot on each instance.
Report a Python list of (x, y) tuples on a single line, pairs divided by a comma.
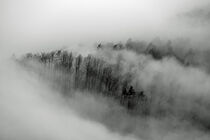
[(31, 107)]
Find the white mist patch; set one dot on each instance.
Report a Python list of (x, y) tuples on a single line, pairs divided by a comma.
[(31, 111)]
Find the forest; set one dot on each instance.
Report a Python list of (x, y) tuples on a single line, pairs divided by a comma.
[(108, 72)]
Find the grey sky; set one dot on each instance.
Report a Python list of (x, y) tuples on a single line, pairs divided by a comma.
[(27, 24), (198, 17)]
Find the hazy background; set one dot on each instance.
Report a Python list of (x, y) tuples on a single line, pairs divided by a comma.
[(32, 24)]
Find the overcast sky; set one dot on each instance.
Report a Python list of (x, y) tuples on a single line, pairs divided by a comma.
[(27, 24)]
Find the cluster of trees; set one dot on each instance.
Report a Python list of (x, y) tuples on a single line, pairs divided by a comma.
[(71, 71), (97, 76), (158, 49), (89, 73)]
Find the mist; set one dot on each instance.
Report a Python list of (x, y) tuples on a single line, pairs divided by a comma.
[(31, 110), (33, 25), (37, 98), (179, 103)]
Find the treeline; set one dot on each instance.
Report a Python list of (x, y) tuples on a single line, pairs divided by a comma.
[(76, 72), (71, 71), (91, 74), (88, 72)]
